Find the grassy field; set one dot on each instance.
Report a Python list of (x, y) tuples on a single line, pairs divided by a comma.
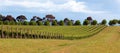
[(107, 41)]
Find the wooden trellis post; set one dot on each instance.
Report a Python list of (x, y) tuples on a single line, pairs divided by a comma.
[(28, 36), (16, 32), (2, 31), (12, 32), (7, 36), (21, 33)]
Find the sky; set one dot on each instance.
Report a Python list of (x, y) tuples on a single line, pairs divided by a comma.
[(72, 9)]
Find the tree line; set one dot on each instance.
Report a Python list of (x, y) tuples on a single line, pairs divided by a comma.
[(49, 20)]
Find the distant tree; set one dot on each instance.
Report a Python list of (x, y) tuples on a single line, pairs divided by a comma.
[(1, 22), (89, 19), (94, 22), (47, 23), (9, 18), (61, 22), (2, 17), (54, 23), (118, 21), (103, 22), (50, 17), (36, 19), (66, 20), (25, 23), (69, 23), (114, 21), (77, 22), (12, 22), (19, 23), (110, 22), (6, 22), (72, 21), (39, 23), (56, 20), (32, 23), (86, 22), (21, 18)]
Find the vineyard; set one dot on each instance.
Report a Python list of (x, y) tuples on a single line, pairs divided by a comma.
[(48, 32)]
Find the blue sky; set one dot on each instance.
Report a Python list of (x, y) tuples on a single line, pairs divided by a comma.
[(72, 9)]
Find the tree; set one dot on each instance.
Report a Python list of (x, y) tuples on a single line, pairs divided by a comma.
[(6, 22), (104, 22), (77, 22), (69, 23), (89, 19), (25, 23), (54, 23), (1, 22), (86, 22), (110, 22), (56, 20), (39, 23), (47, 23), (94, 22), (32, 23), (66, 20), (21, 18), (9, 18), (50, 17), (1, 17), (72, 21), (61, 22), (115, 21), (36, 19), (118, 21), (12, 23), (19, 23)]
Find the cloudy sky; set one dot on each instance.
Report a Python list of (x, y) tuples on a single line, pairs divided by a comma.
[(72, 9)]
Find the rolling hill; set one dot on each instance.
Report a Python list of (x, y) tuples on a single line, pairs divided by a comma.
[(106, 41)]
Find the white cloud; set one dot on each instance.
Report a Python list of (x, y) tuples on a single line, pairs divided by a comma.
[(50, 5), (118, 0)]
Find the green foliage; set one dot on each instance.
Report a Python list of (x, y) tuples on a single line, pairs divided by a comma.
[(1, 22), (32, 23), (86, 22), (61, 23), (39, 23), (1, 17), (113, 22), (12, 23), (47, 23), (6, 22), (19, 23), (69, 23), (104, 22), (118, 21), (21, 18), (25, 23), (94, 22), (54, 23), (77, 22), (110, 22)]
